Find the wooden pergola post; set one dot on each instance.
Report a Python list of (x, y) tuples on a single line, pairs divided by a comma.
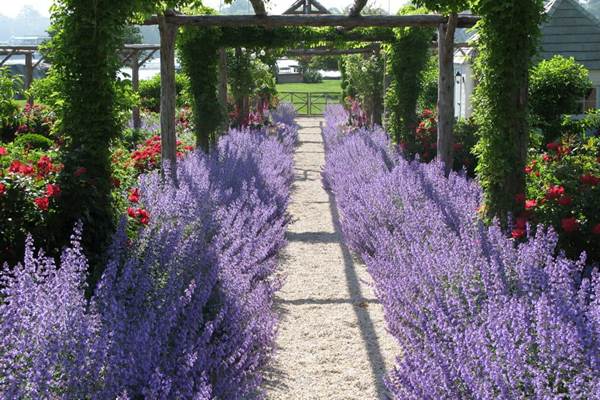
[(28, 78), (168, 33), (135, 85), (223, 79), (445, 139)]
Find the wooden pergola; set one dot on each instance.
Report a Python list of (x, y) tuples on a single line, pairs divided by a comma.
[(171, 21), (132, 55)]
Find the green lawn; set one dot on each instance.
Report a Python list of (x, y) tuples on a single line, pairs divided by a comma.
[(329, 85)]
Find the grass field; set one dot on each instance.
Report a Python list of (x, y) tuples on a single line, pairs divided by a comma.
[(317, 105), (332, 85)]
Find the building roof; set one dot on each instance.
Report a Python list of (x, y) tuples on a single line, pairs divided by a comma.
[(571, 31)]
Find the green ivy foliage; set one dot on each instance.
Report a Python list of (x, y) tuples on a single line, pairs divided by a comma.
[(407, 57), (85, 43), (444, 6), (365, 76), (555, 87), (508, 37), (198, 53), (429, 85)]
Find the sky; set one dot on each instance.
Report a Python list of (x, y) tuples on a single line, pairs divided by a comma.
[(11, 8)]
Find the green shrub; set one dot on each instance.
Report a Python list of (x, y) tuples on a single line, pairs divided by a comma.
[(9, 110), (429, 85), (563, 191), (555, 87), (312, 76), (34, 141), (149, 92), (47, 90)]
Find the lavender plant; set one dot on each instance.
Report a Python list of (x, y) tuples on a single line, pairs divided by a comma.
[(477, 315), (184, 310)]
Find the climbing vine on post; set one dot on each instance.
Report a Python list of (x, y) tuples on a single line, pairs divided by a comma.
[(87, 36), (407, 58), (508, 38), (198, 51)]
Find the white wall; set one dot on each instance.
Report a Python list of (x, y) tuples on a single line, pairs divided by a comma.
[(463, 90)]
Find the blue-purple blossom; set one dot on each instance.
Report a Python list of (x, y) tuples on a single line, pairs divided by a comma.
[(184, 310), (477, 315)]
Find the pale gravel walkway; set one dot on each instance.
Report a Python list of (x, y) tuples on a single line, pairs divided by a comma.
[(332, 343)]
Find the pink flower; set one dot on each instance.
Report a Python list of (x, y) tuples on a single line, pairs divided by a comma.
[(3, 151), (529, 204)]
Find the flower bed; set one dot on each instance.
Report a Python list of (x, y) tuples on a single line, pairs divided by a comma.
[(183, 310), (478, 314)]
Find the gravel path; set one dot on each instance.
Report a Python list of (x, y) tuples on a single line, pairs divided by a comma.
[(332, 342)]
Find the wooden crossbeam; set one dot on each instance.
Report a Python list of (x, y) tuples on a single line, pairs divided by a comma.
[(357, 7), (148, 57), (275, 21), (329, 52), (12, 53), (259, 7)]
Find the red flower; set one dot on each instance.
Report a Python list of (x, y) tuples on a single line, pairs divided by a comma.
[(596, 229), (569, 225), (528, 169), (15, 166), (589, 179), (143, 216), (131, 212), (518, 233), (42, 203), (2, 188), (3, 151), (44, 165), (554, 192), (52, 190), (457, 146), (520, 198), (546, 157), (552, 146), (565, 201), (80, 171), (529, 204), (189, 148), (134, 195)]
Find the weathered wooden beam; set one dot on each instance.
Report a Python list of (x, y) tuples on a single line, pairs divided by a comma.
[(275, 21), (148, 57), (12, 53), (259, 7), (445, 137), (28, 78), (135, 85), (38, 62), (223, 81), (329, 52), (168, 34), (357, 7)]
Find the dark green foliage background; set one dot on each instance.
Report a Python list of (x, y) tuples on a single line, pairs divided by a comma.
[(407, 58)]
